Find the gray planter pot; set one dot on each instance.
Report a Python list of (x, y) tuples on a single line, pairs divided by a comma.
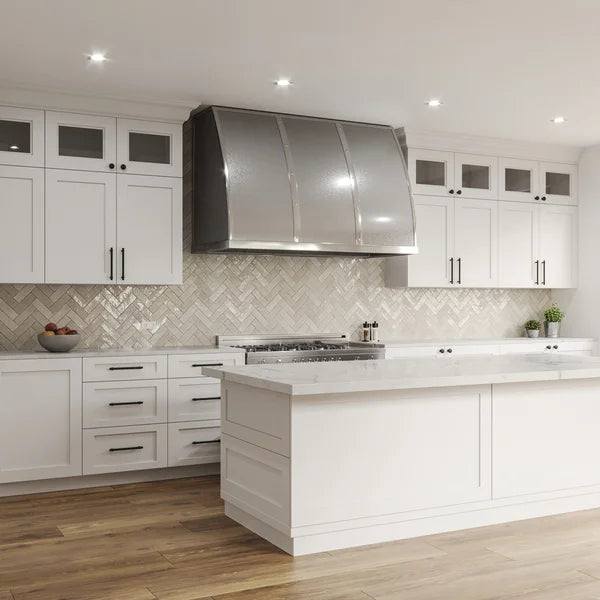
[(533, 333), (552, 329)]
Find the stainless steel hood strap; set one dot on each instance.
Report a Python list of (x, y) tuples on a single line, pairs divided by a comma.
[(230, 224), (353, 188), (291, 177)]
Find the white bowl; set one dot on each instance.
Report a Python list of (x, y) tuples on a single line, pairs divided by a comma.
[(58, 343)]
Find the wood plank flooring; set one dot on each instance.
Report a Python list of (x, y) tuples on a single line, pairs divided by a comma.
[(171, 541)]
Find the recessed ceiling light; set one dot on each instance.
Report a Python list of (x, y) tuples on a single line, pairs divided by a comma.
[(283, 82), (13, 147), (97, 57), (558, 120), (434, 102)]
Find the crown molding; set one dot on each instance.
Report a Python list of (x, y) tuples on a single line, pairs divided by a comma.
[(50, 99), (473, 144)]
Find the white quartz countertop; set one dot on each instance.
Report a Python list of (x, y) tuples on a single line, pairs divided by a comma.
[(91, 352), (408, 373), (485, 341)]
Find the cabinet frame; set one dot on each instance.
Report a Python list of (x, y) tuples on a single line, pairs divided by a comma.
[(533, 166), (571, 170), (415, 154), (35, 117)]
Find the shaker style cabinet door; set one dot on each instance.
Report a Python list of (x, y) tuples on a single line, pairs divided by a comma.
[(518, 180), (431, 172), (558, 183), (82, 142), (476, 176), (80, 227), (476, 242), (40, 419), (149, 234), (21, 224), (149, 148), (518, 261), (21, 137), (558, 246)]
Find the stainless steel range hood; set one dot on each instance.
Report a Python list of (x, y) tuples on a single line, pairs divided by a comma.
[(266, 183)]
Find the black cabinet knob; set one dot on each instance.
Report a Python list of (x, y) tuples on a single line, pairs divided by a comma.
[(537, 198), (544, 198), (123, 166), (548, 347), (449, 350), (451, 191), (441, 351), (111, 165), (459, 192), (555, 347)]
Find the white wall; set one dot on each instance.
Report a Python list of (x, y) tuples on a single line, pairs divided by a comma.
[(582, 305)]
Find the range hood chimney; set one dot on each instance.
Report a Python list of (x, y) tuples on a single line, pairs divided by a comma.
[(266, 183)]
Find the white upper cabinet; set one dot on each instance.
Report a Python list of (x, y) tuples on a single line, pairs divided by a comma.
[(21, 137), (558, 183), (149, 148), (558, 246), (149, 240), (476, 176), (82, 142), (518, 179), (81, 227), (21, 224), (431, 172), (475, 243)]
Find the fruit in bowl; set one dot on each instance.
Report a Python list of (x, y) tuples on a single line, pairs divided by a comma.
[(58, 339)]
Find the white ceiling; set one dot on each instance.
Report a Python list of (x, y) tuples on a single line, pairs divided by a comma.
[(502, 67)]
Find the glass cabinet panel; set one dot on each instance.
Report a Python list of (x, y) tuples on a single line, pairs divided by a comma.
[(149, 148), (558, 184), (430, 172), (15, 136), (83, 142), (475, 177), (517, 180)]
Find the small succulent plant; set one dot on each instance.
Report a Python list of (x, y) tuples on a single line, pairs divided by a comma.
[(554, 314), (533, 324)]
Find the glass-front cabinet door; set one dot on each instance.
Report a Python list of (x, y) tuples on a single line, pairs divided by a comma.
[(21, 137), (81, 142), (476, 176), (431, 172), (558, 183), (149, 148), (518, 180)]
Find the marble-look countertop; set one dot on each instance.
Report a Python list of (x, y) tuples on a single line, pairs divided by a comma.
[(300, 379), (91, 352)]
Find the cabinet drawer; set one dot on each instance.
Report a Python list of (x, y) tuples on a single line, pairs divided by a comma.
[(548, 345), (118, 368), (193, 399), (114, 403), (194, 444), (190, 365), (114, 449)]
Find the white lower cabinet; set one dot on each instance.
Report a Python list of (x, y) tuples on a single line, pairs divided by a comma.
[(133, 448), (40, 419), (192, 399), (194, 443)]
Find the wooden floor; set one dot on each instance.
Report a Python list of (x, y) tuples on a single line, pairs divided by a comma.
[(170, 540)]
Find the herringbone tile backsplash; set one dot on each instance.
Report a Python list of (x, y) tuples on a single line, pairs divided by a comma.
[(259, 294)]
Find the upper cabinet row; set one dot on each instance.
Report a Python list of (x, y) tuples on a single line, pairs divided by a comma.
[(441, 173), (60, 140)]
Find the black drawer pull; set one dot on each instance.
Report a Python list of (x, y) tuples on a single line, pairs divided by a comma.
[(126, 448), (207, 442), (211, 398), (133, 368), (208, 365), (125, 403)]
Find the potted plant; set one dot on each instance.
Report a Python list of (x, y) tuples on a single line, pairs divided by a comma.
[(553, 316), (532, 327)]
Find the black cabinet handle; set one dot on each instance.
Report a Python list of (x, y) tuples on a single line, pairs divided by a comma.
[(207, 442), (537, 272), (452, 270), (548, 348), (451, 191), (126, 448), (208, 365), (132, 368), (122, 264), (555, 347), (544, 198), (111, 165), (449, 351), (441, 351), (543, 272), (125, 403), (111, 253), (123, 166), (537, 198), (211, 398), (459, 261), (459, 192)]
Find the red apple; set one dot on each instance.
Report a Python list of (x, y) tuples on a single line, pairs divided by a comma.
[(72, 332), (51, 327)]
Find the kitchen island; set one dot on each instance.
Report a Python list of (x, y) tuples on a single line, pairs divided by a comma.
[(321, 456)]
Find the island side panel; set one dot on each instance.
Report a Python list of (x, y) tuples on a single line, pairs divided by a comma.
[(546, 437), (255, 464), (368, 454)]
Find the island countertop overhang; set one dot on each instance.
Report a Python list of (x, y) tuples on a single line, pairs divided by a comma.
[(301, 379)]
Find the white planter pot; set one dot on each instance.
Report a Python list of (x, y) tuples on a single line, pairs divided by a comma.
[(533, 333)]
